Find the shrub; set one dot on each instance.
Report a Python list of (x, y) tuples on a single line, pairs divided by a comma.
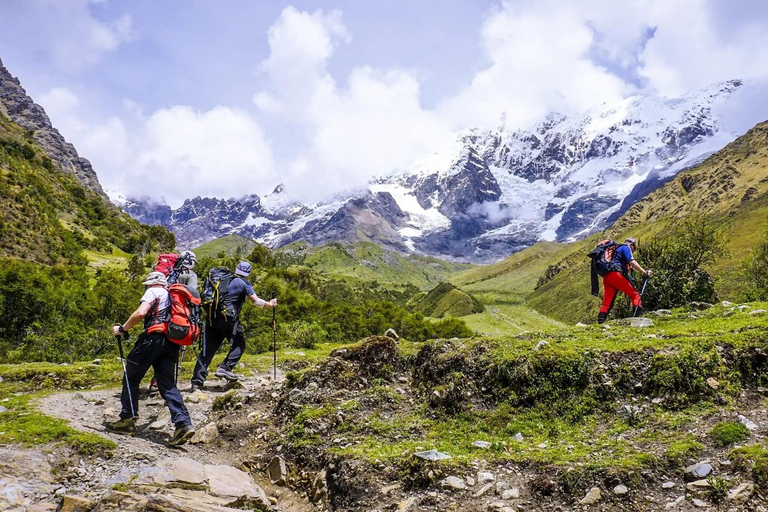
[(728, 432), (305, 334), (754, 270)]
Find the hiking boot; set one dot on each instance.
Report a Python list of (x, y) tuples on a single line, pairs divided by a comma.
[(601, 317), (226, 374), (122, 426), (195, 387), (182, 435), (153, 386)]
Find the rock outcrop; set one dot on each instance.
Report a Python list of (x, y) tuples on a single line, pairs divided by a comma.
[(22, 110)]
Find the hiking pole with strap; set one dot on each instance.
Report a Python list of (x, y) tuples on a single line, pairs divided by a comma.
[(642, 291), (125, 369), (274, 338)]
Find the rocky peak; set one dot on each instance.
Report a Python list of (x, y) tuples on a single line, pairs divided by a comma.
[(20, 108)]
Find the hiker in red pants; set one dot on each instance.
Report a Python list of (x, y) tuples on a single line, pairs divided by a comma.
[(613, 261)]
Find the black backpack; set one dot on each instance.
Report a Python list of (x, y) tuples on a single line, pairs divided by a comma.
[(215, 291), (603, 262)]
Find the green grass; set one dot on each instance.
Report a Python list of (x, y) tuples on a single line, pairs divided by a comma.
[(729, 432), (554, 398), (229, 245), (447, 300), (366, 261)]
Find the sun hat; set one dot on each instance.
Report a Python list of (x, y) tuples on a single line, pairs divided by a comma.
[(155, 278), (631, 241), (243, 269)]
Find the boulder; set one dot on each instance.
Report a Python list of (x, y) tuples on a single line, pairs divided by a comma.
[(75, 504), (183, 470), (319, 487), (230, 482), (277, 471), (592, 497), (207, 434), (697, 471), (511, 494), (640, 322), (453, 482)]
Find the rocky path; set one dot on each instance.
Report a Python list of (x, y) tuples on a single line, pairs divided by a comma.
[(145, 473)]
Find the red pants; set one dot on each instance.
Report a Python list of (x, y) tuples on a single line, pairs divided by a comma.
[(614, 282)]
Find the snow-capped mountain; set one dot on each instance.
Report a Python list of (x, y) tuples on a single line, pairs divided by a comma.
[(493, 191)]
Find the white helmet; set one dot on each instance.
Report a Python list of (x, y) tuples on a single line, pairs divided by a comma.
[(188, 260)]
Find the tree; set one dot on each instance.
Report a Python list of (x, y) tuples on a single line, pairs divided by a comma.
[(135, 268), (754, 270)]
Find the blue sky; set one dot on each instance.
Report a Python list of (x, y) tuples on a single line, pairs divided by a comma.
[(235, 96)]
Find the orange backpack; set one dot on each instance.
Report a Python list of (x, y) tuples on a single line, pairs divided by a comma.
[(183, 327)]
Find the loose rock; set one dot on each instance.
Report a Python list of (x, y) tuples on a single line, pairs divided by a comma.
[(592, 497), (640, 322), (432, 455), (481, 444), (741, 492), (697, 471), (277, 471), (747, 422), (620, 490), (484, 477), (511, 494), (207, 434), (453, 482)]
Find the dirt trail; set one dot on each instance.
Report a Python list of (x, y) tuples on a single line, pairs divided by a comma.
[(88, 410)]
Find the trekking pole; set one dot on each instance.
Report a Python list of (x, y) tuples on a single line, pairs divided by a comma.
[(642, 291), (178, 363), (274, 339), (125, 370)]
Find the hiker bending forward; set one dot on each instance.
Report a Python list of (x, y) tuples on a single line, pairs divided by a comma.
[(228, 326), (152, 349), (616, 280)]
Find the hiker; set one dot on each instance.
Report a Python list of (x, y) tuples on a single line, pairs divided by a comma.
[(613, 264), (186, 274), (153, 348), (183, 273), (227, 325)]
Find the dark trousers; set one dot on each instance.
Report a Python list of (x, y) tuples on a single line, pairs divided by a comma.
[(212, 340), (156, 351)]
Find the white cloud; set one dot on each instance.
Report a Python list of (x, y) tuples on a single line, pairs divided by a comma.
[(175, 153), (541, 55), (371, 126), (540, 62), (64, 33), (690, 48), (59, 101)]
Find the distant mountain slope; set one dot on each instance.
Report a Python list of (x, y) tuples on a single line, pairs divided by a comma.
[(493, 191), (369, 262), (30, 116), (230, 245)]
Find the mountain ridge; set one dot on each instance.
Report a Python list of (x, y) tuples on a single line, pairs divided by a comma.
[(492, 192)]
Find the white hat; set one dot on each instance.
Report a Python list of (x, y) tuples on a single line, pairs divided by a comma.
[(155, 278)]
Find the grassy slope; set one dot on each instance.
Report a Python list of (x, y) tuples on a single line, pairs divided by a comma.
[(502, 288), (229, 245), (447, 300), (366, 261), (568, 395)]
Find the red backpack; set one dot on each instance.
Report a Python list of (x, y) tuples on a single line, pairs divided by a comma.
[(166, 263), (183, 326)]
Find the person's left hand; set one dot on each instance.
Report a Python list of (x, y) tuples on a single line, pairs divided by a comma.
[(116, 330)]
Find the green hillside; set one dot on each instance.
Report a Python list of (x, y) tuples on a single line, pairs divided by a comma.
[(230, 245), (366, 261), (47, 216), (447, 300)]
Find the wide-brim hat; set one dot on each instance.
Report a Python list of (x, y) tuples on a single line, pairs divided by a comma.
[(243, 269), (155, 278)]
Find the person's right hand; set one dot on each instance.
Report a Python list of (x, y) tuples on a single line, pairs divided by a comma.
[(272, 303), (649, 273)]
